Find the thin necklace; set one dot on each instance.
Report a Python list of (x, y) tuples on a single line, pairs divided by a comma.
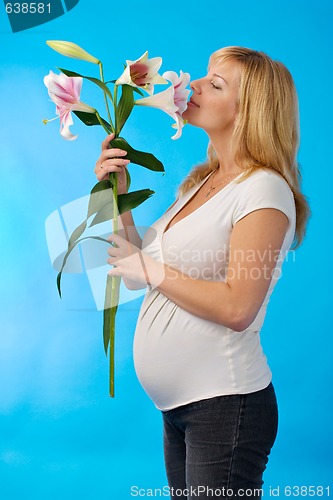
[(219, 183)]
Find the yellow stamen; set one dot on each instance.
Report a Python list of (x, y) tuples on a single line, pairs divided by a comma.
[(45, 121)]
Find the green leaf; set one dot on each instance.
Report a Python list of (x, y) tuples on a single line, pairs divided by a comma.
[(91, 119), (107, 315), (125, 106), (104, 214), (109, 322), (146, 160), (101, 204), (77, 233), (107, 319), (90, 78), (101, 186), (126, 201), (136, 89), (100, 194), (128, 179), (110, 309), (69, 251)]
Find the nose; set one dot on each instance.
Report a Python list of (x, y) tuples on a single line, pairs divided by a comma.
[(195, 86)]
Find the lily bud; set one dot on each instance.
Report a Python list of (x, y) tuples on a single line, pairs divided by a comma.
[(70, 49)]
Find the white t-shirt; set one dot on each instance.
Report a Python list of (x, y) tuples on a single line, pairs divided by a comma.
[(180, 358)]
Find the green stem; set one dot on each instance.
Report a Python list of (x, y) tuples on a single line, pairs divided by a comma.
[(111, 347), (105, 96), (102, 123), (112, 299), (115, 200), (110, 311), (115, 284), (115, 109)]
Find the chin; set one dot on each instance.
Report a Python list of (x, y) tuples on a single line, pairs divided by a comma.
[(187, 116), (190, 121)]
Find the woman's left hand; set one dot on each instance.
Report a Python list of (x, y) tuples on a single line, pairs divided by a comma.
[(134, 266)]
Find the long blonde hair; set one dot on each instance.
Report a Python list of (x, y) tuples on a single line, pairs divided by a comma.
[(266, 131)]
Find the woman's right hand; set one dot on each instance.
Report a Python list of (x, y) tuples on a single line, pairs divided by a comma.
[(112, 160)]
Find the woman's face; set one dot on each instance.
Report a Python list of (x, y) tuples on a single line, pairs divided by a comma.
[(213, 104)]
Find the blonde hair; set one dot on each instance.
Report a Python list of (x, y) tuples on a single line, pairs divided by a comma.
[(266, 131)]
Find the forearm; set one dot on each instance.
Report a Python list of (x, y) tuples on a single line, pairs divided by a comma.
[(211, 300), (235, 302)]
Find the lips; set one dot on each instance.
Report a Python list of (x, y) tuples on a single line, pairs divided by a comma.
[(191, 101)]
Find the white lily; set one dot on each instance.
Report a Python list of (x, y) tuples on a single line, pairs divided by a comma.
[(163, 100), (172, 100), (179, 84), (142, 73)]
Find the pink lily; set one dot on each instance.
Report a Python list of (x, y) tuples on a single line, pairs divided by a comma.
[(172, 100), (65, 91), (179, 84), (142, 73)]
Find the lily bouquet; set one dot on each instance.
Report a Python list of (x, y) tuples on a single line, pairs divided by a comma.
[(139, 77)]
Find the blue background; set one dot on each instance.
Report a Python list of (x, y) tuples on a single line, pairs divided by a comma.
[(61, 436)]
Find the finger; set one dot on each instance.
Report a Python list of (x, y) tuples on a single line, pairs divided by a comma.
[(101, 174), (108, 154), (113, 251), (115, 271), (102, 169), (117, 162), (106, 142), (116, 165), (118, 240)]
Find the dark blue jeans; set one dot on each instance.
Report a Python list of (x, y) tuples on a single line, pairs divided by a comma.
[(219, 447)]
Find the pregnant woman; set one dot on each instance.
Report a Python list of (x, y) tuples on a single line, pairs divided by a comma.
[(211, 262)]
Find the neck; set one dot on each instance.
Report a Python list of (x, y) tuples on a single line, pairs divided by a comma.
[(225, 155)]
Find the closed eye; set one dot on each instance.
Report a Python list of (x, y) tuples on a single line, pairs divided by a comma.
[(214, 86)]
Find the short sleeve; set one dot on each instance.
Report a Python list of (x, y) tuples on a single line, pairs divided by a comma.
[(264, 190)]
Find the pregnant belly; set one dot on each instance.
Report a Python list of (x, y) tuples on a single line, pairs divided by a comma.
[(178, 357)]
